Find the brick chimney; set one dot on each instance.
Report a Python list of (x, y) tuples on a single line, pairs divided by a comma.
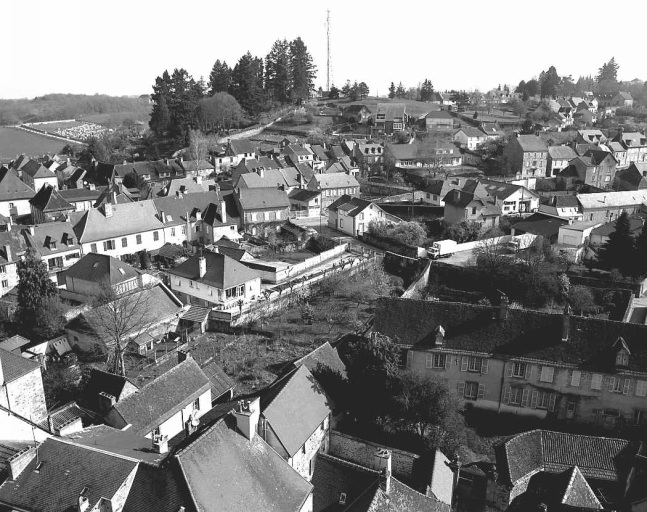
[(440, 336), (566, 323), (223, 211), (19, 461), (106, 401), (160, 443), (383, 465), (183, 354), (504, 306), (247, 416)]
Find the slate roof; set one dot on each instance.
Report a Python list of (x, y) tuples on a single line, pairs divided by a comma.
[(324, 356), (227, 472), (460, 198), (212, 216), (73, 195), (37, 170), (297, 149), (352, 205), (158, 489), (525, 333), (48, 199), (531, 143), (635, 227), (223, 272), (221, 383), (16, 243), (100, 268), (196, 165), (161, 398), (390, 110), (14, 366), (440, 114), (539, 224), (400, 497), (335, 180), (127, 219), (491, 129), (295, 406), (561, 152), (176, 208), (606, 200), (66, 470), (151, 168), (101, 381), (502, 190), (601, 458), (303, 194), (471, 132), (185, 186), (13, 343), (262, 199), (632, 178), (12, 188), (242, 146)]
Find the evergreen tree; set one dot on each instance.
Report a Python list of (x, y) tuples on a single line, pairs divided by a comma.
[(427, 90), (640, 252), (392, 90), (608, 71), (247, 83), (277, 72), (617, 252), (219, 78), (400, 92), (346, 90), (334, 93), (160, 121), (362, 90), (302, 71), (549, 83)]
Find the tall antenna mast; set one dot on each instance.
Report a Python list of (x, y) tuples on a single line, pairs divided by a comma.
[(328, 50)]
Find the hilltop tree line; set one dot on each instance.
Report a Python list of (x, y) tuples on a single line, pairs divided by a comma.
[(254, 85)]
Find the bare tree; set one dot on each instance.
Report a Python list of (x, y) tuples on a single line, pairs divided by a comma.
[(119, 318), (491, 253)]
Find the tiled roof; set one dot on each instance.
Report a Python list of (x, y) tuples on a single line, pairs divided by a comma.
[(502, 190), (161, 398), (158, 489), (184, 186), (472, 132), (11, 188), (262, 199), (400, 497), (391, 110), (298, 407), (303, 194), (635, 226), (352, 205), (37, 170), (221, 383), (126, 219), (561, 152), (61, 233), (72, 195), (15, 366), (176, 208), (460, 199), (16, 243), (242, 146), (335, 180), (577, 492), (101, 268), (525, 333), (65, 471), (14, 342), (601, 458), (150, 168), (223, 272), (106, 382), (605, 200), (634, 175), (297, 149), (227, 472)]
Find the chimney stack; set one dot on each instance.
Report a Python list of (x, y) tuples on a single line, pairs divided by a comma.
[(223, 212), (383, 465), (504, 307), (566, 323), (183, 354), (440, 336), (261, 172), (106, 401), (7, 250), (83, 503), (198, 180), (160, 443), (202, 265), (19, 461), (247, 416), (107, 209)]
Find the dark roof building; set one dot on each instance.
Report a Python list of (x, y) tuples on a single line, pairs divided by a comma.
[(100, 269), (11, 188), (221, 272)]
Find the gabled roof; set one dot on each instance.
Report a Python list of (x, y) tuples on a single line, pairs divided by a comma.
[(633, 176), (241, 146), (461, 199), (297, 149), (355, 109), (335, 180), (229, 473), (221, 383), (600, 458), (126, 219), (159, 489), (35, 170), (539, 224), (61, 233), (323, 357), (47, 199), (295, 406), (391, 110), (186, 186), (223, 272), (319, 152), (176, 208), (524, 334), (101, 268), (561, 152), (353, 206), (72, 195), (12, 188), (531, 143), (262, 199), (491, 129), (212, 216), (148, 168), (161, 398), (14, 366), (101, 381), (597, 156), (300, 194), (66, 469), (16, 243), (14, 343), (471, 132), (439, 114), (502, 190)]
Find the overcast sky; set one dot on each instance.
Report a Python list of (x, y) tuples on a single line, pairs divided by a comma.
[(119, 47)]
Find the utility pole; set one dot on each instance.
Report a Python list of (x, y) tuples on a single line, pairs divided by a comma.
[(328, 49)]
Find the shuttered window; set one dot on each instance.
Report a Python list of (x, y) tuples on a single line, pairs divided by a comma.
[(547, 374), (576, 378)]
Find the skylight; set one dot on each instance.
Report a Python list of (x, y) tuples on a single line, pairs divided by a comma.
[(96, 264), (121, 270)]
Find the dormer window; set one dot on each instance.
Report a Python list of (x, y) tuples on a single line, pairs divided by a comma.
[(622, 358), (622, 353)]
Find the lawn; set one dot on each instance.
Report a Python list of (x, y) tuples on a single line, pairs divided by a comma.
[(15, 142), (57, 125)]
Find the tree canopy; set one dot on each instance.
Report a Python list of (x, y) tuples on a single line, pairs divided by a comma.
[(608, 71), (617, 252)]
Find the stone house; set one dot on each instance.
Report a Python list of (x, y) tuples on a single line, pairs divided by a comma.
[(12, 250), (55, 245), (509, 197), (21, 386), (464, 206), (357, 114), (389, 118), (558, 159), (470, 137), (596, 168), (526, 156), (632, 178), (352, 215), (36, 176), (332, 186), (439, 121), (563, 367), (48, 206), (635, 144), (89, 276), (238, 150), (261, 210), (14, 195)]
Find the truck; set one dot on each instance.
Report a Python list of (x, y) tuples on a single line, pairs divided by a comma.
[(520, 242), (442, 249)]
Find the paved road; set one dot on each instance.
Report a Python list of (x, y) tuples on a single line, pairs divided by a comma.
[(461, 259)]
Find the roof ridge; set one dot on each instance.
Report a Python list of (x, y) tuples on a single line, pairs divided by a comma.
[(95, 449), (348, 463)]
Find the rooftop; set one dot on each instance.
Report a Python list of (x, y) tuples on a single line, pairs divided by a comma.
[(14, 366), (223, 272), (100, 269)]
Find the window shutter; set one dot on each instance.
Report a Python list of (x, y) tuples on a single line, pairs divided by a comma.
[(612, 383), (576, 377), (448, 361), (506, 395), (461, 389), (430, 360), (534, 400), (464, 362), (481, 391), (625, 388), (641, 388), (409, 358), (551, 373), (551, 402), (484, 364), (528, 371), (510, 369), (524, 398)]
